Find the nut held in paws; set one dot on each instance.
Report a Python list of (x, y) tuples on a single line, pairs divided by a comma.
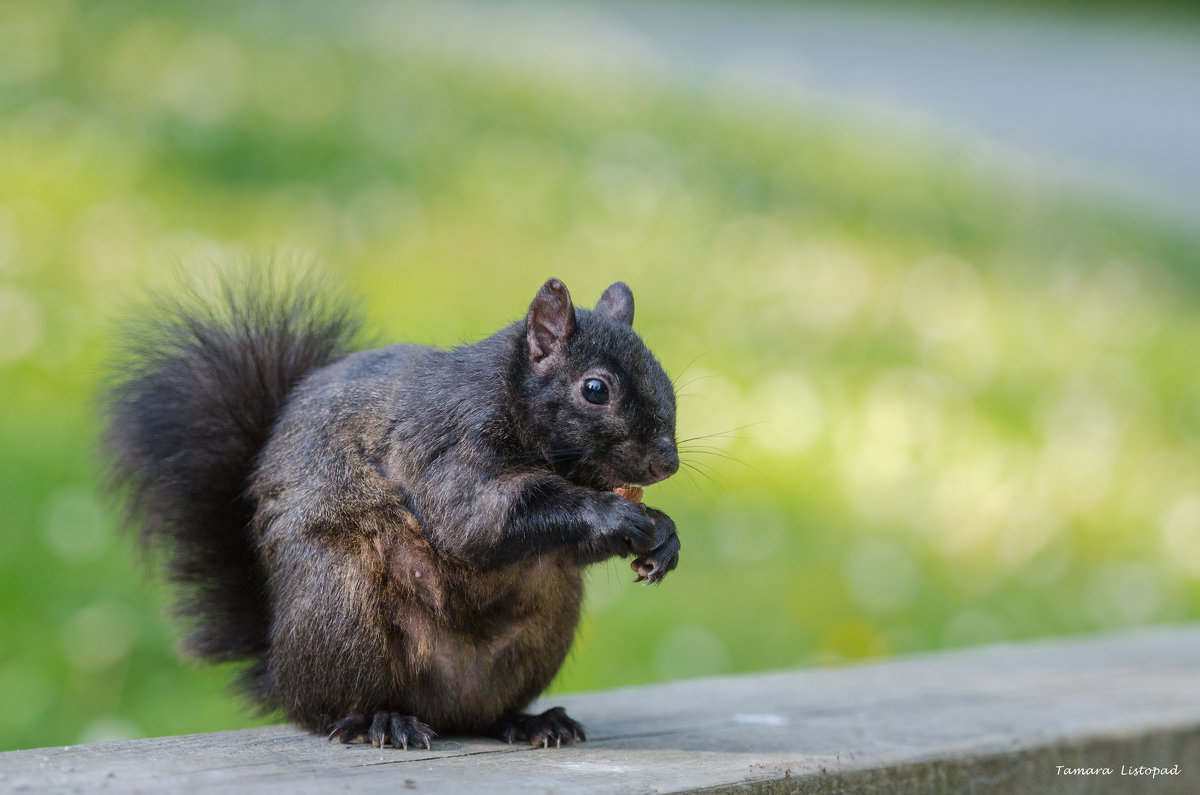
[(631, 493)]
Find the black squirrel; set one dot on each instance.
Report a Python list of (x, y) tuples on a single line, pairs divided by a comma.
[(394, 539)]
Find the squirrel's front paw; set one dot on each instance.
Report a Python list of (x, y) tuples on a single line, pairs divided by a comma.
[(624, 528), (653, 566)]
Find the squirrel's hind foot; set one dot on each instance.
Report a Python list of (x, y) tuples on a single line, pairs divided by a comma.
[(382, 728), (553, 725)]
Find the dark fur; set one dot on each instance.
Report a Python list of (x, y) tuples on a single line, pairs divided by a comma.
[(402, 532), (192, 395)]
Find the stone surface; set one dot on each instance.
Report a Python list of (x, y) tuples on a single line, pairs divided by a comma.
[(991, 719)]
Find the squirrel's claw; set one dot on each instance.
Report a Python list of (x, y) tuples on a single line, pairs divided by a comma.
[(379, 730), (384, 727), (539, 730), (348, 728), (408, 730), (647, 570), (652, 568)]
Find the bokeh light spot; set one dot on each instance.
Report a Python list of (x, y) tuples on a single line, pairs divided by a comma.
[(788, 415), (74, 524), (1180, 526), (882, 575), (747, 526), (98, 636), (1126, 593), (689, 651), (21, 323), (204, 81)]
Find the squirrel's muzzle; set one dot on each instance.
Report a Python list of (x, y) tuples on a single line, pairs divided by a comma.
[(665, 461)]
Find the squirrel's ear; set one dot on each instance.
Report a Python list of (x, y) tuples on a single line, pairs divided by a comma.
[(617, 303), (550, 322)]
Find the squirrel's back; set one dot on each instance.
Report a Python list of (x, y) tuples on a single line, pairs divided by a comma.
[(190, 402)]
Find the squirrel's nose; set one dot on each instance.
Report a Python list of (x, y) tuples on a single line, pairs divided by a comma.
[(666, 463)]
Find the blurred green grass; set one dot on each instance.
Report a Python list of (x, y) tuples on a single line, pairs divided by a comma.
[(934, 402)]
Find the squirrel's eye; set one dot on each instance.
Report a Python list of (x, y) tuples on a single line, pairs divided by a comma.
[(595, 391)]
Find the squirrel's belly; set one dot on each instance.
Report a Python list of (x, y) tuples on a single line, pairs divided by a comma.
[(462, 676)]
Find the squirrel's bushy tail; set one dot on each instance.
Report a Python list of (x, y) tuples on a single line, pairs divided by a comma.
[(196, 386)]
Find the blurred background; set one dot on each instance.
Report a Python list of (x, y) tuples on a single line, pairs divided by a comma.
[(936, 338)]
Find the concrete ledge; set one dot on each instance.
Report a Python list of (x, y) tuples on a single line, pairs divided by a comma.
[(992, 719)]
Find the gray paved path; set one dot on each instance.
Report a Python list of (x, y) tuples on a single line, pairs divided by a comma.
[(1111, 105)]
